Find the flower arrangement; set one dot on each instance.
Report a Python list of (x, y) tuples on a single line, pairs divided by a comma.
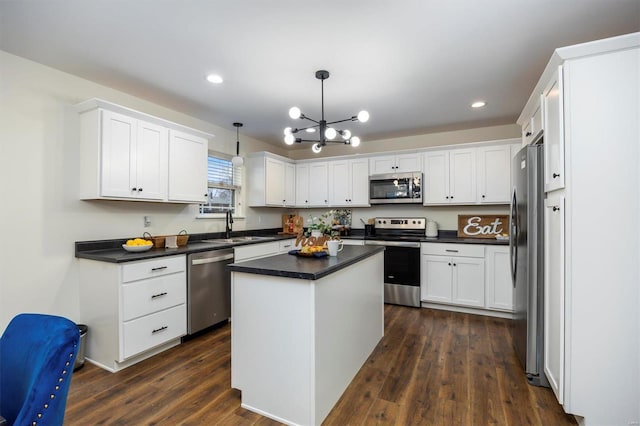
[(322, 223)]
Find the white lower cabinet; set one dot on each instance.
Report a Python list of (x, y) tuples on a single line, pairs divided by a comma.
[(133, 310), (466, 275), (256, 251), (499, 286), (452, 274), (554, 291)]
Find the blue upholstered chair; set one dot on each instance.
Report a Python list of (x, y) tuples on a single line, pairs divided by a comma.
[(37, 354)]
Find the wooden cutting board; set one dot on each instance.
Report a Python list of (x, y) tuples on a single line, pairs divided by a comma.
[(482, 226)]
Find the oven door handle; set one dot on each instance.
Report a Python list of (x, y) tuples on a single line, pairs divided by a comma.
[(392, 243)]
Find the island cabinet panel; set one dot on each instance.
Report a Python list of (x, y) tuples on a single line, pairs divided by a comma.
[(297, 344)]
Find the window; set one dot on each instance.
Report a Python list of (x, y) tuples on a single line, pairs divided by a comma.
[(223, 186)]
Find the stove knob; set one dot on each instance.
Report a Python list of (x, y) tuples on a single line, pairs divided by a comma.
[(414, 222)]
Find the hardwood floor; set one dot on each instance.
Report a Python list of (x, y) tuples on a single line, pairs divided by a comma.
[(431, 368)]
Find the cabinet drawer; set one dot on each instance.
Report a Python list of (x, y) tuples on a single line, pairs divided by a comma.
[(286, 245), (254, 251), (155, 294), (153, 268), (152, 330), (444, 249)]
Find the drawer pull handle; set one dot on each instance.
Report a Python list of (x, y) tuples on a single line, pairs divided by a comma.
[(159, 268), (153, 296), (157, 330), (451, 251)]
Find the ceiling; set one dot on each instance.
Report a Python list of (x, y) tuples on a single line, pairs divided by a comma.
[(415, 65)]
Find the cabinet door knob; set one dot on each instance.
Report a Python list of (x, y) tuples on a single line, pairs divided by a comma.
[(556, 208), (134, 189), (555, 175), (449, 263), (455, 264), (447, 197), (483, 196), (140, 189), (528, 134)]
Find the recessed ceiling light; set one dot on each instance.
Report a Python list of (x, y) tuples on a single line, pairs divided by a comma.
[(478, 104), (214, 78)]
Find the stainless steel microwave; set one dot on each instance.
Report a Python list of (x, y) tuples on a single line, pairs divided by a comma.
[(395, 188)]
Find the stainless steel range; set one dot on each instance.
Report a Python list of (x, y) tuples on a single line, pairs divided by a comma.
[(401, 237)]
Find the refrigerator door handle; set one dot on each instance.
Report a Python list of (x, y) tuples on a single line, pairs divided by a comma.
[(513, 240)]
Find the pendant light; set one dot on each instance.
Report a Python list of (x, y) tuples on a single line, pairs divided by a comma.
[(237, 161), (326, 132)]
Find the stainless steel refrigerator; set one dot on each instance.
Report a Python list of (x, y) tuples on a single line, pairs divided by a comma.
[(527, 256)]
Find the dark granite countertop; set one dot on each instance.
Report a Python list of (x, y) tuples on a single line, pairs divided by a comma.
[(112, 251), (444, 236), (306, 268)]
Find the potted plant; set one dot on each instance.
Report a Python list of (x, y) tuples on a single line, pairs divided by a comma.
[(321, 225)]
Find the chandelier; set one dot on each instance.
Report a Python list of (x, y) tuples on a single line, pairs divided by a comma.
[(326, 132)]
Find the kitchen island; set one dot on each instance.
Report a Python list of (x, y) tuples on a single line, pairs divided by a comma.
[(301, 329)]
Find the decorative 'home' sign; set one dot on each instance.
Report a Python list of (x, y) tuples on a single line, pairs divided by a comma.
[(482, 226)]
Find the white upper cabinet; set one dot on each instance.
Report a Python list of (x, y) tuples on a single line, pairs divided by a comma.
[(271, 181), (450, 177), (400, 163), (349, 183), (290, 183), (129, 155), (312, 186), (494, 174), (302, 185), (319, 184), (532, 127), (554, 133), (134, 156), (187, 167)]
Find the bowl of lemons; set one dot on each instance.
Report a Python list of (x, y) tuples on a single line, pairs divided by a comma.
[(137, 245)]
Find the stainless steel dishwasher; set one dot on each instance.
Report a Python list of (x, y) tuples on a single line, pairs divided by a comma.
[(208, 289)]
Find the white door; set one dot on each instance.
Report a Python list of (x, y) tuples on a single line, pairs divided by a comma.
[(382, 165), (360, 182), (498, 278), (468, 281), (274, 182), (462, 176), (290, 184), (302, 185), (494, 174), (554, 217), (553, 134), (318, 184), (435, 280), (408, 163), (339, 183), (436, 178), (187, 167), (151, 161), (118, 156)]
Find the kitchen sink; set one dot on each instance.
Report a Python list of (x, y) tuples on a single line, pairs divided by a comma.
[(237, 239)]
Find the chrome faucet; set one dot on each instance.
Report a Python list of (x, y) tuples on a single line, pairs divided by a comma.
[(228, 228)]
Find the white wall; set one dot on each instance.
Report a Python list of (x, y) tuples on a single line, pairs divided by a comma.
[(41, 214)]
